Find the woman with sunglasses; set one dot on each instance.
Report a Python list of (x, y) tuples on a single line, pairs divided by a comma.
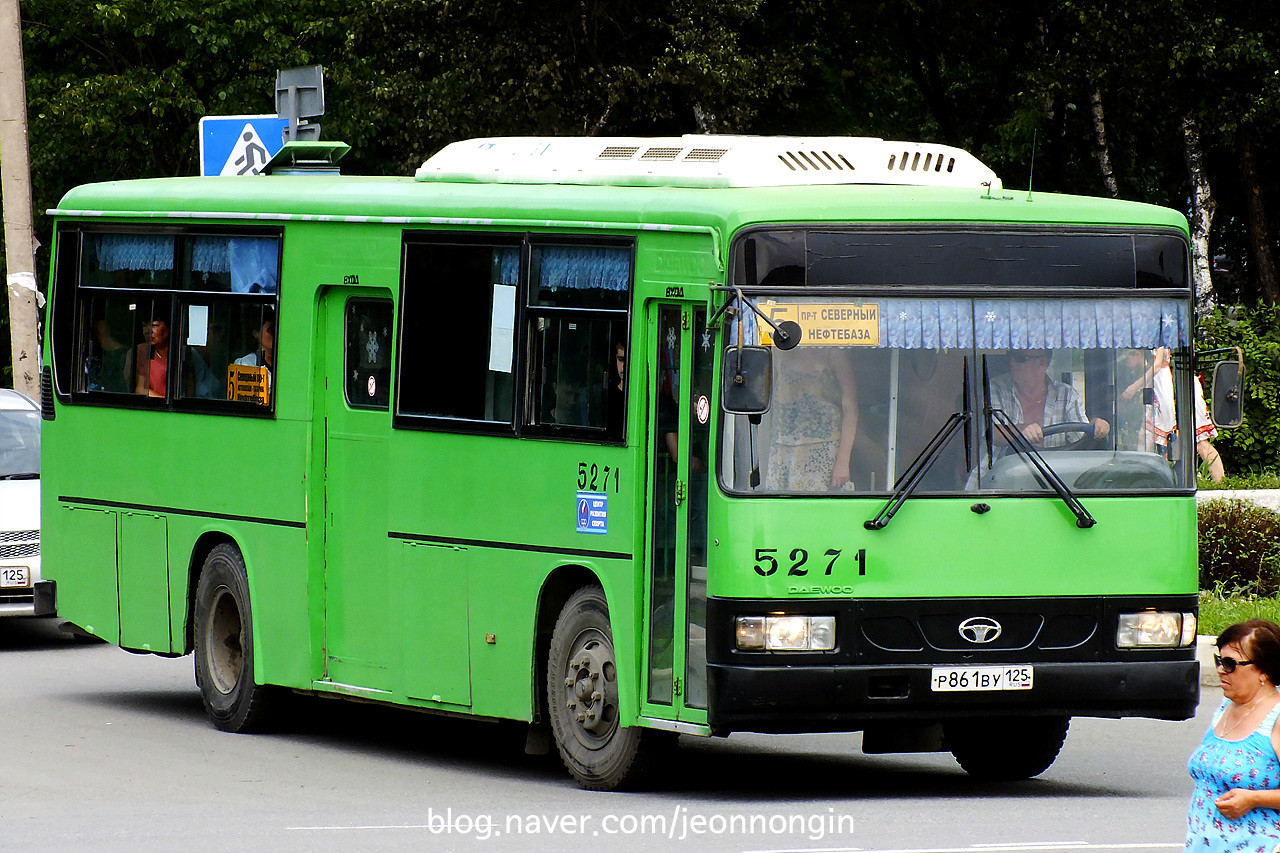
[(1236, 802)]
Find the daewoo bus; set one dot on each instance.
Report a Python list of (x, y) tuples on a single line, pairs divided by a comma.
[(627, 438)]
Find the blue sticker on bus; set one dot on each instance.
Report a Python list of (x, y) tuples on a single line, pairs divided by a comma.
[(593, 512)]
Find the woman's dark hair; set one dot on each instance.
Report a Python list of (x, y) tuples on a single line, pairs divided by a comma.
[(1259, 639)]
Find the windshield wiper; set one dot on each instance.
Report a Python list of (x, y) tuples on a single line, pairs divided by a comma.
[(914, 475), (1018, 442), (25, 475)]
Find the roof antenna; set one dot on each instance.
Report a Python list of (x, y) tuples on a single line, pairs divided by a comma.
[(1032, 173)]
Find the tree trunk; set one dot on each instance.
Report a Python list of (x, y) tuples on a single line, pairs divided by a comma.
[(1264, 260), (1100, 136), (1203, 206), (15, 188)]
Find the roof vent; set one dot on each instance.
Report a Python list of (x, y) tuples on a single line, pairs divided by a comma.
[(706, 155), (618, 152), (932, 162), (659, 153), (815, 161)]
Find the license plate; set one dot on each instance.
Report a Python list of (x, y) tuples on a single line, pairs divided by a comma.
[(13, 576), (949, 679)]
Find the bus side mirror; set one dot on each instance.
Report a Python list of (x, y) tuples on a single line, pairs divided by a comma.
[(1228, 394), (746, 377)]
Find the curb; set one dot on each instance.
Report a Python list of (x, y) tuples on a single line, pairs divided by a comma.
[(1205, 650)]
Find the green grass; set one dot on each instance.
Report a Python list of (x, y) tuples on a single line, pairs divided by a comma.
[(1217, 611), (1265, 480)]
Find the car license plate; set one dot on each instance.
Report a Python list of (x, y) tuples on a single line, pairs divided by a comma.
[(948, 679), (12, 576)]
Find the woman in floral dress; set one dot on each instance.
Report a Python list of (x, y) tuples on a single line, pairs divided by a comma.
[(1235, 807)]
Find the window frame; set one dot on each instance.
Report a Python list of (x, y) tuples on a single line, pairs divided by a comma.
[(526, 314), (70, 333), (388, 302)]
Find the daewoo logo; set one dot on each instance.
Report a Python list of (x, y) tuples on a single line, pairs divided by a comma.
[(980, 629)]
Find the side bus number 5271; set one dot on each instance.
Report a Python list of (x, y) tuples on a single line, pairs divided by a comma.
[(598, 478), (769, 560)]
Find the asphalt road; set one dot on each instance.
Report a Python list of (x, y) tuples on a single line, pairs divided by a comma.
[(103, 750)]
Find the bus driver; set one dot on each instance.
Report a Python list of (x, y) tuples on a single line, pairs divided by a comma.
[(1034, 401)]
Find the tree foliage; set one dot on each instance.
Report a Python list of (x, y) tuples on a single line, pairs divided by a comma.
[(1090, 96)]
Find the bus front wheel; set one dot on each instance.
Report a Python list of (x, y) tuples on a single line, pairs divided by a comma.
[(582, 697), (1005, 749), (224, 644)]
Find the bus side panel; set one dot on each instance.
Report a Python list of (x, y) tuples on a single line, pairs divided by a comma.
[(144, 582), (507, 552), (84, 552), (275, 558), (431, 602)]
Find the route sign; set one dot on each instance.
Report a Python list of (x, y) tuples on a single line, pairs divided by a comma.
[(239, 145)]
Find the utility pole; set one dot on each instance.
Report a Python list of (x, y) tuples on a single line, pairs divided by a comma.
[(15, 196)]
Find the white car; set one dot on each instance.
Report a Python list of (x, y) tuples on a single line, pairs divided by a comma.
[(19, 505)]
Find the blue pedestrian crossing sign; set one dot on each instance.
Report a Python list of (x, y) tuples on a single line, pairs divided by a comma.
[(239, 145)]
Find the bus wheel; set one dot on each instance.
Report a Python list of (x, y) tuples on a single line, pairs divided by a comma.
[(582, 696), (1003, 749), (224, 644)]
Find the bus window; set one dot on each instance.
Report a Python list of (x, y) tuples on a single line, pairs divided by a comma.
[(577, 324), (228, 351), (368, 353), (457, 340), (137, 314), (875, 379), (124, 261)]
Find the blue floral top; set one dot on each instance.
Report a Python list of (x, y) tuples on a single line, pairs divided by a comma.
[(1216, 767)]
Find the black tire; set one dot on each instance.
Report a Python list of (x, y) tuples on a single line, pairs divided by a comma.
[(1003, 749), (224, 645), (582, 699)]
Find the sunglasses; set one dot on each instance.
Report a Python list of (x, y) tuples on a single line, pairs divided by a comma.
[(1228, 665)]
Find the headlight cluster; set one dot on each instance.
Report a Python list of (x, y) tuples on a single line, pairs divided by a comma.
[(1154, 629), (784, 633)]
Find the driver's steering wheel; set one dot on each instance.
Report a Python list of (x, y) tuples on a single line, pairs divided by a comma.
[(1085, 442)]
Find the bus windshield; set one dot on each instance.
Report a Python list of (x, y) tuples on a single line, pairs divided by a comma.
[(874, 380)]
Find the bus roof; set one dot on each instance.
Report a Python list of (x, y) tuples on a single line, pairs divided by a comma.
[(463, 202)]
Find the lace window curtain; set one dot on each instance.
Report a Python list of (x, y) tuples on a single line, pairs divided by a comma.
[(584, 268), (506, 265), (117, 252), (253, 262), (1021, 323)]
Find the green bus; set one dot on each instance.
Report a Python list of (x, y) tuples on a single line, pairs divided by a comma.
[(627, 438)]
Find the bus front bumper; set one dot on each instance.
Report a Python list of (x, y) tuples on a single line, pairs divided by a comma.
[(848, 698)]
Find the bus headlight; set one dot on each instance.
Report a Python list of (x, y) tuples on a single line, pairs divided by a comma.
[(784, 633), (1155, 629)]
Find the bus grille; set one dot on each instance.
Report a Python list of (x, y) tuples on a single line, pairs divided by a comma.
[(21, 549)]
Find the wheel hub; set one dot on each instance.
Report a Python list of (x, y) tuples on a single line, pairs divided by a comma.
[(226, 652), (591, 692)]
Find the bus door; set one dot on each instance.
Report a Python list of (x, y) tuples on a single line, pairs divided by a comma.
[(355, 343), (680, 372)]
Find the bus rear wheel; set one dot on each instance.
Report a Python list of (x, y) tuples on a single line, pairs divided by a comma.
[(1004, 749), (582, 697), (224, 644)]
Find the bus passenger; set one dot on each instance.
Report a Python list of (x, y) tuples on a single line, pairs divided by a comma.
[(111, 366), (153, 359), (814, 420), (1033, 401), (616, 399), (265, 353)]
